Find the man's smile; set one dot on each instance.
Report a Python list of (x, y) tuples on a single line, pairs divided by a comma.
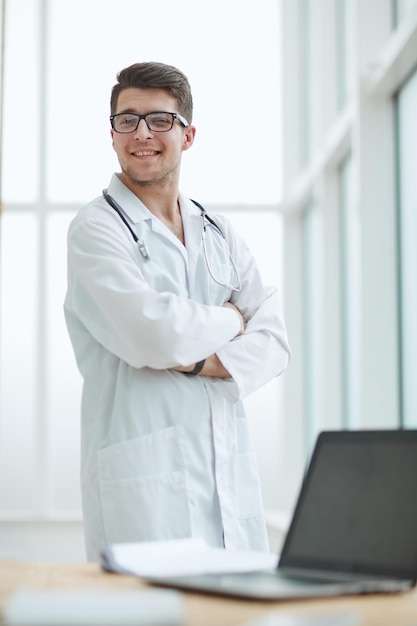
[(142, 153)]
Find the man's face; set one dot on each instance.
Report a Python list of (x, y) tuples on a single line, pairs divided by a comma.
[(150, 158)]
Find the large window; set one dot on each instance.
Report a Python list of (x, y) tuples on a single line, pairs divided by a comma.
[(407, 197), (344, 63), (350, 260), (312, 291), (61, 62), (403, 9)]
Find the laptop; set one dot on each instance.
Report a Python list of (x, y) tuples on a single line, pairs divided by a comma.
[(354, 527)]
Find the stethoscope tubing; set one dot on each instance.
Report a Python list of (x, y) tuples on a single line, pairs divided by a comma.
[(114, 205), (144, 252)]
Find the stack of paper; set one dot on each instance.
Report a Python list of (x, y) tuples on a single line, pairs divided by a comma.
[(307, 619), (182, 557)]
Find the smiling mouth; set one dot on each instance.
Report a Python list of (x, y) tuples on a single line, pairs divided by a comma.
[(141, 153)]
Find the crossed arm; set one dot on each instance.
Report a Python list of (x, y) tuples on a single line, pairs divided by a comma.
[(212, 365)]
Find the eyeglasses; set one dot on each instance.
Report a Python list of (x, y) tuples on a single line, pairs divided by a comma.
[(157, 121)]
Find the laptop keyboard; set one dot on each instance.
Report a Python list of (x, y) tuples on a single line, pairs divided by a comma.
[(275, 584)]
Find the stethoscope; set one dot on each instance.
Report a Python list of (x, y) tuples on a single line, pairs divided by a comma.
[(206, 221)]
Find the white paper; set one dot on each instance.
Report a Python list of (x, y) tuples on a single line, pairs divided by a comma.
[(182, 557), (85, 607), (307, 619)]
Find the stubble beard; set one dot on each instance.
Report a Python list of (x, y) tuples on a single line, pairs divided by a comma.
[(163, 179)]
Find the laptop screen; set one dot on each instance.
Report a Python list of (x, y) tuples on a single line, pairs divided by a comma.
[(357, 509)]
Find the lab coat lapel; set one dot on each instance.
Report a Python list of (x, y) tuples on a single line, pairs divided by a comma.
[(137, 212), (129, 203)]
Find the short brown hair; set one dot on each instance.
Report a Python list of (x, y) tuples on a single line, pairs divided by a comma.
[(151, 75)]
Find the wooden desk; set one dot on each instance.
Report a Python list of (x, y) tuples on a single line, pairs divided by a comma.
[(392, 610)]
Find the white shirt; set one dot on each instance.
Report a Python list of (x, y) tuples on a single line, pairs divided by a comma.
[(167, 454)]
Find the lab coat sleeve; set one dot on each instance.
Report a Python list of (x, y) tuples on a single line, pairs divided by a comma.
[(109, 299), (262, 352)]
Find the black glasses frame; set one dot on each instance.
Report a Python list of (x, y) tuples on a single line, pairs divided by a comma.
[(139, 116)]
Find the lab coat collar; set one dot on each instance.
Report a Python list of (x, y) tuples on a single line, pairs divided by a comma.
[(134, 208)]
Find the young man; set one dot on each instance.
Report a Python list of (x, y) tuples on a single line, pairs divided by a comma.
[(171, 327)]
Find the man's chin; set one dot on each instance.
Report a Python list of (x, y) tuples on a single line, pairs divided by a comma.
[(133, 181)]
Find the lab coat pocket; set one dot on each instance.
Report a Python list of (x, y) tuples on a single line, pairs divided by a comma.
[(249, 496), (143, 489)]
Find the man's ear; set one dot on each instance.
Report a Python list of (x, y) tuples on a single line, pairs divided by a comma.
[(189, 136)]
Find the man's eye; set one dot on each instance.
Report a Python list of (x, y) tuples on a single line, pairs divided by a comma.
[(161, 120), (127, 121)]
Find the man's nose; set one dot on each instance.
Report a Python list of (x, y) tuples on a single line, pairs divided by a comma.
[(142, 129)]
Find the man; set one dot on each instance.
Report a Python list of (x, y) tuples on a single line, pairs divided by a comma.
[(171, 328)]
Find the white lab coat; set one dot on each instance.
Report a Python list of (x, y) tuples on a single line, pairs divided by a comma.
[(167, 454)]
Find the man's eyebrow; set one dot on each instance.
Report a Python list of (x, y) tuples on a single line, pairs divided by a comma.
[(127, 111)]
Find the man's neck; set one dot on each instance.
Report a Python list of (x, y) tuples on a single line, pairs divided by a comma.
[(161, 200)]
